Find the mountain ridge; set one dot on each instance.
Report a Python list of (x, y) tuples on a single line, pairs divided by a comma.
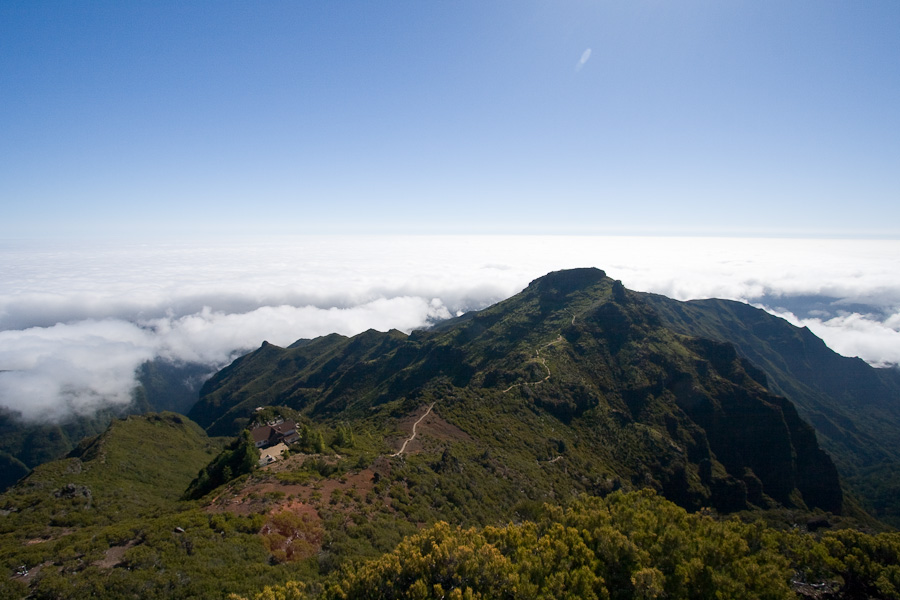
[(579, 347)]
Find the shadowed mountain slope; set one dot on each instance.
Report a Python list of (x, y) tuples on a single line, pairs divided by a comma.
[(854, 407)]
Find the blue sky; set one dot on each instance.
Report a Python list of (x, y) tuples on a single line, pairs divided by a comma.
[(187, 118)]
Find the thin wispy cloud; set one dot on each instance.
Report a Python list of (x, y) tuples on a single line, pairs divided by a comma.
[(585, 56), (75, 323)]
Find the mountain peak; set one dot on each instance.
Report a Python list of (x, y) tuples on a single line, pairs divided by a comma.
[(574, 357), (569, 280)]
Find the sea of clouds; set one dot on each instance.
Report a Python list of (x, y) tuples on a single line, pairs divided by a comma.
[(76, 320)]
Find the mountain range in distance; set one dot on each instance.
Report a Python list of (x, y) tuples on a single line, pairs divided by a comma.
[(575, 387)]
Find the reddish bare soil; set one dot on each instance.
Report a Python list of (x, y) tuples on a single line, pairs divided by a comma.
[(347, 493), (33, 572), (58, 534), (430, 433), (266, 494)]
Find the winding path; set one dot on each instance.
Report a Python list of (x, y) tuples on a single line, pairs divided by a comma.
[(543, 361), (413, 436)]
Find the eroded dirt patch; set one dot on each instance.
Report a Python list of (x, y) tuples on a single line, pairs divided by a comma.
[(270, 494), (57, 534), (114, 556), (32, 573), (432, 432)]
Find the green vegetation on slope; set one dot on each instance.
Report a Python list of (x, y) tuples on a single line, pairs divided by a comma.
[(32, 444), (11, 470), (107, 522), (312, 517), (136, 468), (237, 459)]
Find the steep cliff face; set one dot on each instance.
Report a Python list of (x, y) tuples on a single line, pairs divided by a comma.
[(631, 402), (758, 437), (854, 408)]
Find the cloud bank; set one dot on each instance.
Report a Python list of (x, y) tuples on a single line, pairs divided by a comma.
[(75, 322)]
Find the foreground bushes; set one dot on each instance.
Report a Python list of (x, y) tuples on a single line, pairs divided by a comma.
[(634, 545)]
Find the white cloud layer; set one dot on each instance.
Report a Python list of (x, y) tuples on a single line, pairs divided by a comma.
[(854, 334), (75, 322)]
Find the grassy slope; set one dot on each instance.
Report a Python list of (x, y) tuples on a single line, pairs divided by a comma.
[(102, 522), (163, 386), (137, 468)]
